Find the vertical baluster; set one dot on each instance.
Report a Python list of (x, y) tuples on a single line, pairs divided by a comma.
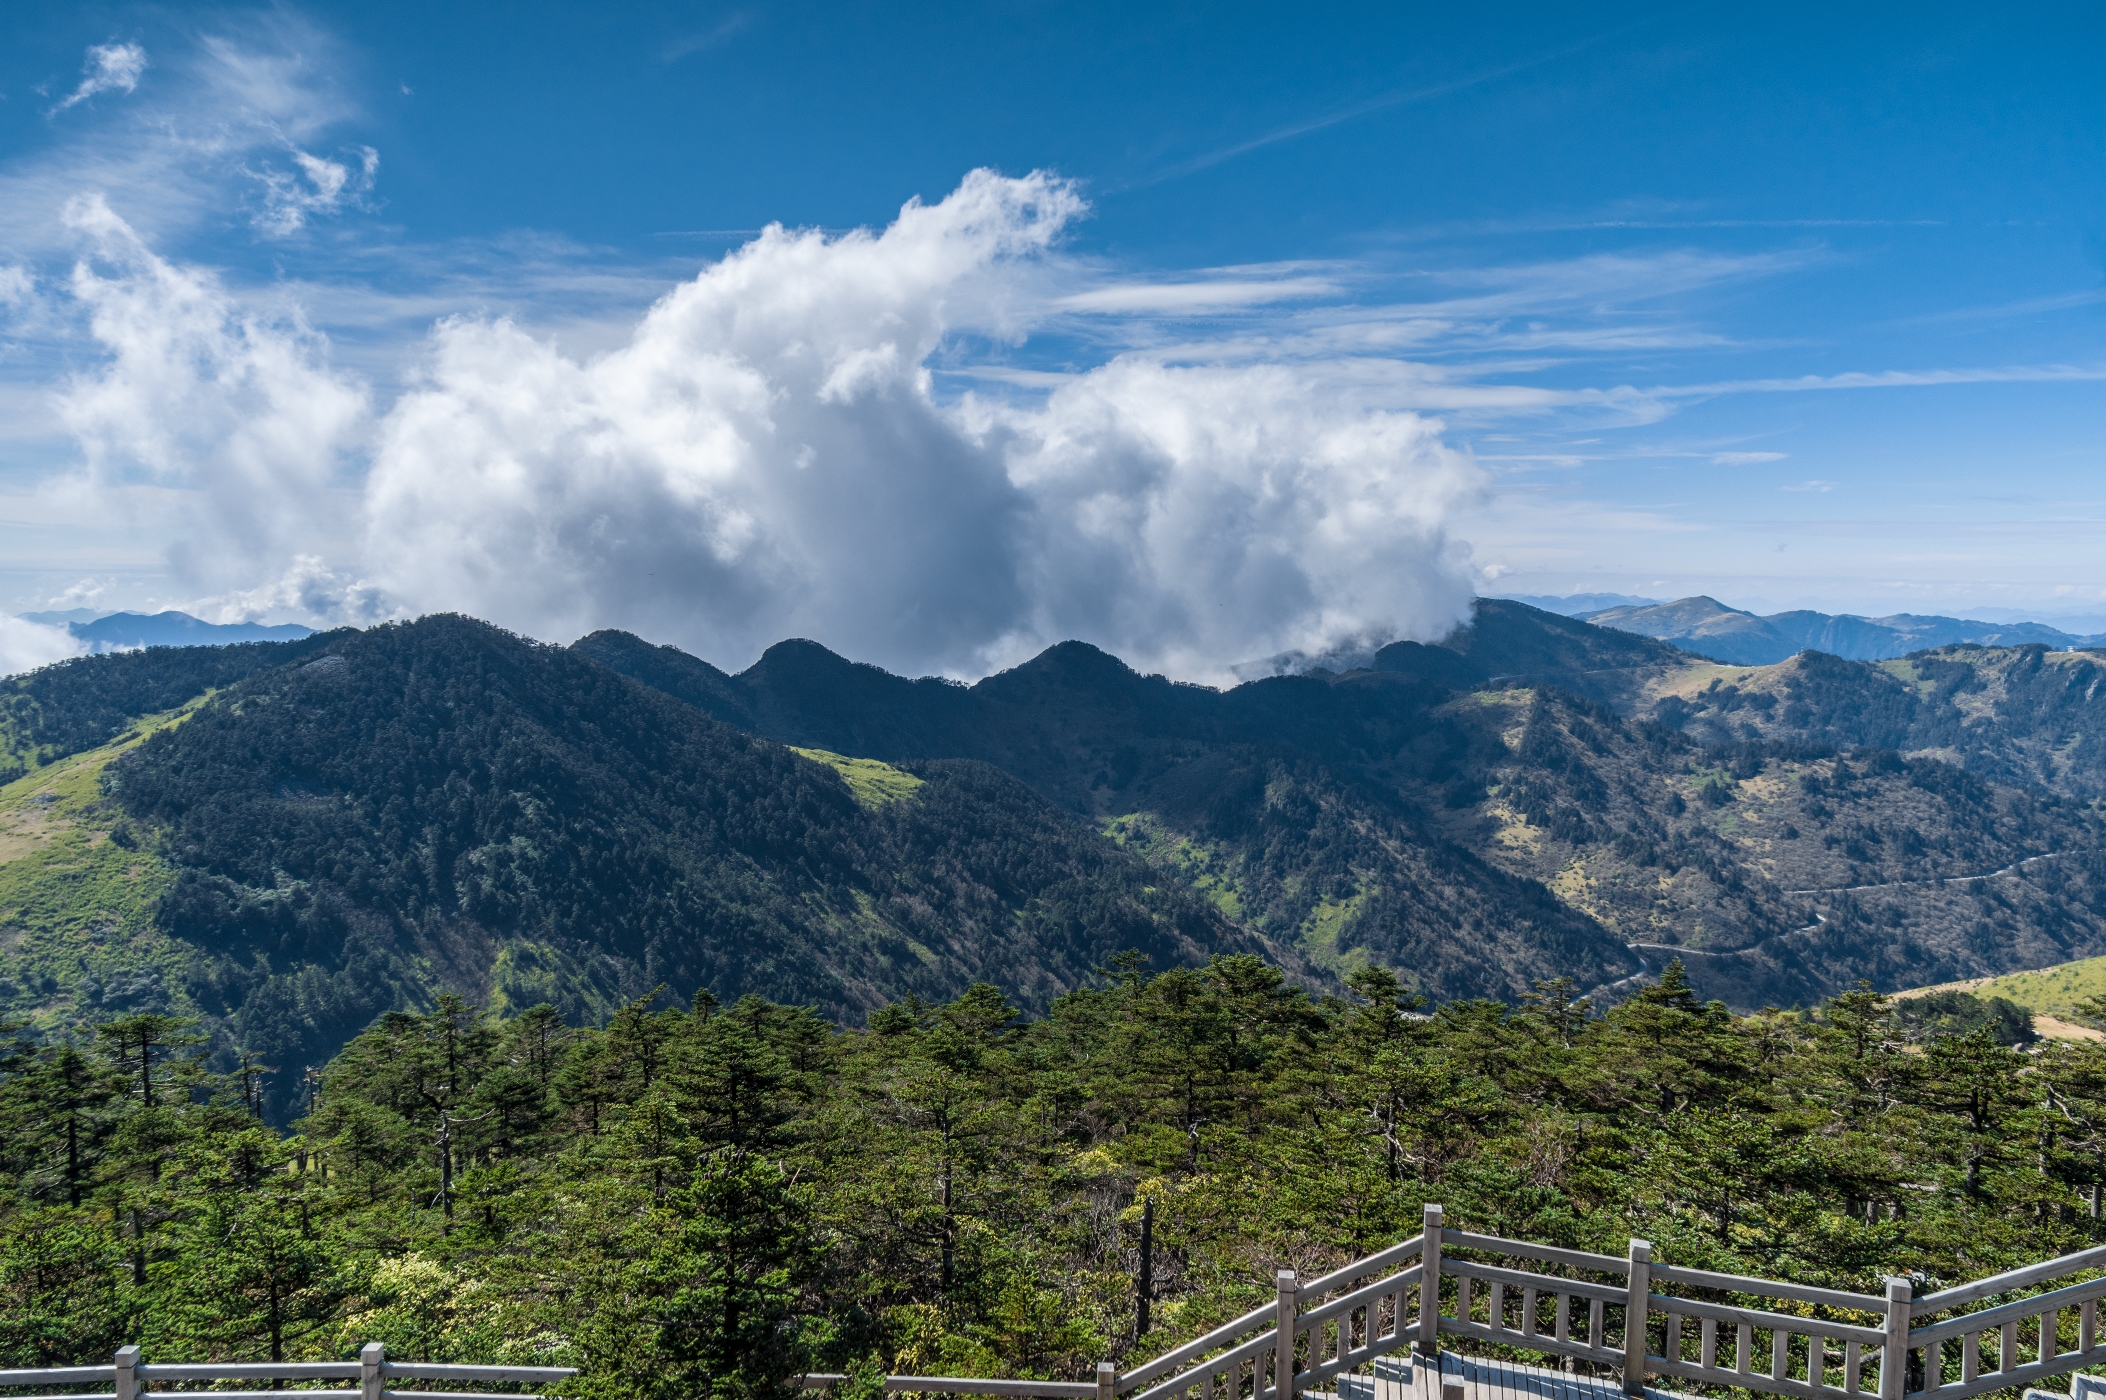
[(1206, 1384), (2088, 1325), (1970, 1357), (1707, 1354), (1498, 1307), (1853, 1362), (1594, 1310), (1562, 1317), (1528, 1312), (1671, 1342), (1780, 1354), (1744, 1349), (2050, 1334), (2007, 1349), (1816, 1360)]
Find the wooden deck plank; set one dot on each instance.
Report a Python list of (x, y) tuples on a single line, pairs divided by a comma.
[(1401, 1377)]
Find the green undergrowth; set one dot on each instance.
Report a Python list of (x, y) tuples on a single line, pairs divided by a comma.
[(78, 889), (1200, 863), (1320, 934), (873, 783)]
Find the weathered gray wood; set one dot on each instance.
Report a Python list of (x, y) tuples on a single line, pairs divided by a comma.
[(1780, 1354), (2011, 1280), (125, 1373), (1686, 1370), (1894, 1352), (1744, 1349), (1853, 1366), (1562, 1318), (965, 1385), (1768, 1288), (256, 1370), (1361, 1268), (1634, 1326), (60, 1375), (2024, 1307), (1492, 1273), (443, 1371), (1250, 1350), (1726, 1312), (1596, 1341), (105, 1395), (1707, 1347), (1349, 1302), (372, 1368), (1522, 1249), (1290, 1295), (1455, 1327), (1170, 1360), (1430, 1286)]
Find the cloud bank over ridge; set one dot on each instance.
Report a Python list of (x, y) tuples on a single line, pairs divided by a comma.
[(767, 454)]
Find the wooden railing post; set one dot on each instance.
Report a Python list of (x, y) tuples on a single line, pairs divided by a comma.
[(127, 1361), (1634, 1309), (371, 1357), (1288, 1314), (1894, 1356), (1429, 1287), (1107, 1381)]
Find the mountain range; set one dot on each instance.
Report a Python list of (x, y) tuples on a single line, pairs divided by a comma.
[(1707, 627), (126, 631), (286, 838)]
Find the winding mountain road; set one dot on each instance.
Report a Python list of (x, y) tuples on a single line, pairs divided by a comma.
[(1680, 951)]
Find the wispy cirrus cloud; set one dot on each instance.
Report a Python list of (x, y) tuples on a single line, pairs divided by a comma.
[(110, 68)]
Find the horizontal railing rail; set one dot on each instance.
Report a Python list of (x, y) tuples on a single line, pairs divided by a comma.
[(130, 1378)]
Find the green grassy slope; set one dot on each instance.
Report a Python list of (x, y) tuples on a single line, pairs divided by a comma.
[(78, 888)]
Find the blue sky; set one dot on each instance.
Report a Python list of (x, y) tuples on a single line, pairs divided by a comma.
[(1796, 307)]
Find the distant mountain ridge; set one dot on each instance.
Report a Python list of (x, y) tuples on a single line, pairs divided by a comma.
[(1709, 628), (127, 631), (286, 838)]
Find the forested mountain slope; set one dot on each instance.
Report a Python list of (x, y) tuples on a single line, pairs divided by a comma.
[(2024, 716), (318, 832), (440, 804), (1418, 812)]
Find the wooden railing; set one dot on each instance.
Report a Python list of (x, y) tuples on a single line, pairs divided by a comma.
[(1693, 1325), (1631, 1314), (131, 1378)]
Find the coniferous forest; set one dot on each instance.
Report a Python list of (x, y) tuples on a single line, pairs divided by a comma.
[(713, 1199)]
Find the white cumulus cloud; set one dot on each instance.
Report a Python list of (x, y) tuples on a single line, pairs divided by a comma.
[(110, 68), (200, 391), (766, 457)]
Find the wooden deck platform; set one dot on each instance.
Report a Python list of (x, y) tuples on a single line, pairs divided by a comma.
[(1401, 1377)]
